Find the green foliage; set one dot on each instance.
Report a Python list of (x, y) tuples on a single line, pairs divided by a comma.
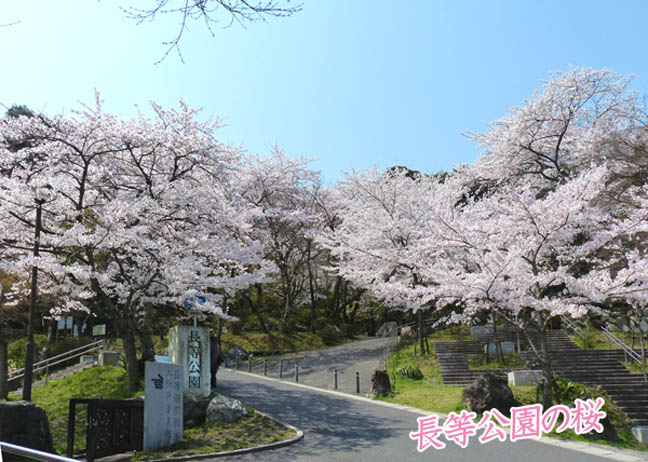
[(278, 342), (330, 335), (410, 372), (16, 349), (566, 392)]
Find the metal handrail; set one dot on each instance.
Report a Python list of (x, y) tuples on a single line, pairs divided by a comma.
[(33, 453), (573, 327), (46, 363), (613, 338), (629, 351)]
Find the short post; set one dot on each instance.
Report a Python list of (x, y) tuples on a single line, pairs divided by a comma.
[(358, 382), (335, 383), (280, 368), (250, 363), (238, 362), (296, 373), (265, 367)]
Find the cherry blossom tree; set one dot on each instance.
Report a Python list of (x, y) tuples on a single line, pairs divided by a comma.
[(578, 118), (283, 192), (384, 241), (135, 214)]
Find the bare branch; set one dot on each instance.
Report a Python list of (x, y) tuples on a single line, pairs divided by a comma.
[(240, 11)]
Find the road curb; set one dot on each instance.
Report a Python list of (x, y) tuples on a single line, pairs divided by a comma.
[(264, 447)]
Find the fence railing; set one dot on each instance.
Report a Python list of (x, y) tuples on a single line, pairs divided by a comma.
[(33, 453), (45, 364), (571, 325), (627, 351)]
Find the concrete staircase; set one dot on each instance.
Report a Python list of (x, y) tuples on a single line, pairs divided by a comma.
[(604, 368), (590, 367)]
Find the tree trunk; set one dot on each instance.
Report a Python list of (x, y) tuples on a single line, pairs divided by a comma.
[(146, 342), (4, 356), (4, 372), (643, 350), (498, 348), (257, 308), (44, 353), (130, 351), (421, 333), (311, 288), (547, 371)]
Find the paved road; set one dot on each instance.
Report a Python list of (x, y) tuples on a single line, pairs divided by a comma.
[(341, 427), (316, 368)]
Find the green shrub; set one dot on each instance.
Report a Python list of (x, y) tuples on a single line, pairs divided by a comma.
[(566, 392), (330, 335), (410, 372)]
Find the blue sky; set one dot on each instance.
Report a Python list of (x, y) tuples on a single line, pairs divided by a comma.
[(350, 82)]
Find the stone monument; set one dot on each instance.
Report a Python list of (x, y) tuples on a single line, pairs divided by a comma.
[(162, 405), (189, 346)]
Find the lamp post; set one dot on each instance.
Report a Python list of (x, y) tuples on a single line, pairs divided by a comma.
[(29, 353)]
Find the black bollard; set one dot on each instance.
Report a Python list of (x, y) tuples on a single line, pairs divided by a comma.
[(358, 382)]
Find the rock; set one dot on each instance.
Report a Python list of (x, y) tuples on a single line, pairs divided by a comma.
[(489, 391), (224, 409), (609, 432), (386, 329), (524, 377), (380, 384), (237, 352), (194, 410), (507, 347), (109, 358), (408, 334), (25, 424), (481, 330)]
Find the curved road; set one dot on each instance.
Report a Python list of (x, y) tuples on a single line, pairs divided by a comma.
[(343, 427)]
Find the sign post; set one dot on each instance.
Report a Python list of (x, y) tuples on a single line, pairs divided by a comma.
[(162, 405)]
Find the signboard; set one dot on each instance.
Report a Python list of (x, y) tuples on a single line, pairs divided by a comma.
[(189, 346), (163, 391), (99, 330)]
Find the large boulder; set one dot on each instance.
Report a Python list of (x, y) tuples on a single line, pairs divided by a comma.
[(224, 409), (489, 391), (609, 432), (194, 410), (380, 384), (25, 424), (386, 329)]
